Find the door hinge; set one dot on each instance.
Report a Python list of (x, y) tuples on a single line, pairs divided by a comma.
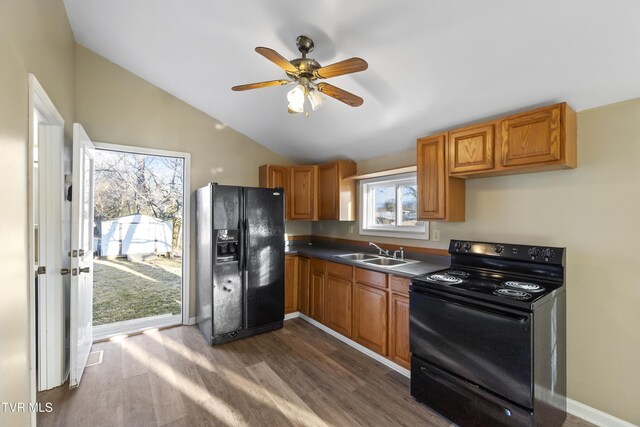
[(42, 270)]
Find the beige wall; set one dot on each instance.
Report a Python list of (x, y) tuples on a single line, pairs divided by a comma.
[(118, 107), (593, 211), (35, 37)]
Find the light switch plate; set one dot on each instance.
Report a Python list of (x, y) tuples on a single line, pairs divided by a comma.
[(435, 235)]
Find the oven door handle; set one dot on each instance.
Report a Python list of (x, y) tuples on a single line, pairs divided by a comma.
[(494, 312)]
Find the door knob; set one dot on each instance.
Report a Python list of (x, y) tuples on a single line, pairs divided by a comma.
[(85, 270), (64, 271)]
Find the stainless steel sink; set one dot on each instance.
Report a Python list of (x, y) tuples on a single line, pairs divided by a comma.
[(358, 257), (389, 262), (386, 262)]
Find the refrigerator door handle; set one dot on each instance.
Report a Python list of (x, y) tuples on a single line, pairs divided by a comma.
[(245, 243)]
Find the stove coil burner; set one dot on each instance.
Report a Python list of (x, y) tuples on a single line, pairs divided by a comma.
[(513, 293), (458, 273), (444, 278), (527, 286)]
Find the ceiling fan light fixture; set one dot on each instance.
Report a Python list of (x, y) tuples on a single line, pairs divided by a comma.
[(315, 99), (296, 99)]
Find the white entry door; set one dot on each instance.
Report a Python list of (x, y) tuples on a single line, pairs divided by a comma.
[(81, 308)]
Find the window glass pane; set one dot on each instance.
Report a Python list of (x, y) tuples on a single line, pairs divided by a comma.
[(384, 204), (408, 205)]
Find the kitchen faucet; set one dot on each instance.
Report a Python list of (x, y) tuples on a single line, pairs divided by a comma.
[(382, 251), (401, 250)]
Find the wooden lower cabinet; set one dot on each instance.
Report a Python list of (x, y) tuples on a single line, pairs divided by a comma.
[(370, 317), (290, 284), (399, 330), (316, 290), (303, 285), (337, 306)]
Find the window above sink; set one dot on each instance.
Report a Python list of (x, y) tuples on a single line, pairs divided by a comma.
[(389, 207)]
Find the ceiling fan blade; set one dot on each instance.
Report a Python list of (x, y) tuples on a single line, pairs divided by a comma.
[(277, 59), (261, 84), (348, 66), (340, 94)]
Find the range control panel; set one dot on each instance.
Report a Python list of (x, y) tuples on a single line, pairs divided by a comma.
[(543, 254)]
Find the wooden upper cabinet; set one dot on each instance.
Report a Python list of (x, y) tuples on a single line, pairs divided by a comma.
[(303, 189), (532, 138), (471, 149), (304, 275), (337, 197), (534, 141), (290, 283), (276, 176), (439, 197)]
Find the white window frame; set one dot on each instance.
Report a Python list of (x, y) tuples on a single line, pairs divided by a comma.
[(419, 231)]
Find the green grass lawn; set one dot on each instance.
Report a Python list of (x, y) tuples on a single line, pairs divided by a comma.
[(125, 290)]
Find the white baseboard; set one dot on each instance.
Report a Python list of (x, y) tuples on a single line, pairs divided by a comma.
[(357, 346), (594, 415), (293, 315), (574, 407)]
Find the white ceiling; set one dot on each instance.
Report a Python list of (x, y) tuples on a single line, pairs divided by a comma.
[(433, 64)]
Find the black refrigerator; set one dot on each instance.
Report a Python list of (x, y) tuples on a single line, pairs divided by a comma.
[(239, 261)]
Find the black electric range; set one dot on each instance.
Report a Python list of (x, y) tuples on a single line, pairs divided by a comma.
[(488, 335)]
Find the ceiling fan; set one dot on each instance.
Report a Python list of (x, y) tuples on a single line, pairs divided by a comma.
[(305, 72)]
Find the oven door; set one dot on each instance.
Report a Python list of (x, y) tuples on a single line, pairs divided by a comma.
[(485, 344)]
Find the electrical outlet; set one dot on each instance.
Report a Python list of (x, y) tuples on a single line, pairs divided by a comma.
[(351, 229), (435, 235)]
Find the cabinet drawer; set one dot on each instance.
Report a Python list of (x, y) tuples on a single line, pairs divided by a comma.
[(339, 270), (399, 284), (372, 278), (317, 265)]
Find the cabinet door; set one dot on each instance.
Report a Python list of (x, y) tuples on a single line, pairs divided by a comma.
[(316, 300), (530, 138), (290, 284), (439, 196), (275, 176), (336, 196), (431, 177), (471, 149), (303, 285), (370, 317), (303, 188), (399, 330), (337, 308), (328, 191)]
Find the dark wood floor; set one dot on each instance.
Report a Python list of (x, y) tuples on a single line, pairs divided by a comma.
[(297, 375)]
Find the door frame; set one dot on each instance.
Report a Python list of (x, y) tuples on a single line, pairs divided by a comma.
[(40, 105), (186, 212)]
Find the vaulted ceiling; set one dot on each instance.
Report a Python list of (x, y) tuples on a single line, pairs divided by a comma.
[(433, 64)]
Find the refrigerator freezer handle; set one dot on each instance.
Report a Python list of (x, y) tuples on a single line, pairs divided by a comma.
[(242, 253)]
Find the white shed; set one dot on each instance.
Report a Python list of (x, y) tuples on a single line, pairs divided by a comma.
[(135, 235)]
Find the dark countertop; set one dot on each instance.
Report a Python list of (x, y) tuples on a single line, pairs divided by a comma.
[(427, 264)]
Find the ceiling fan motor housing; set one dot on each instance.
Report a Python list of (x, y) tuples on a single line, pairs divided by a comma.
[(306, 66)]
